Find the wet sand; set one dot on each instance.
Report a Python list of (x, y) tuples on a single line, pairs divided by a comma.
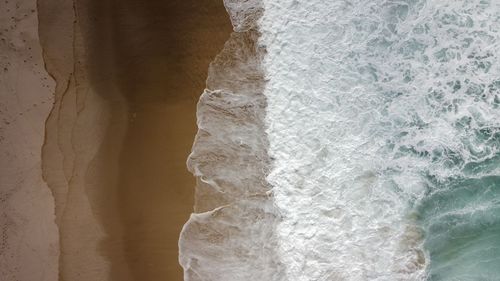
[(162, 51), (122, 128)]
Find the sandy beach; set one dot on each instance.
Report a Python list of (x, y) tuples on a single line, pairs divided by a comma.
[(129, 74)]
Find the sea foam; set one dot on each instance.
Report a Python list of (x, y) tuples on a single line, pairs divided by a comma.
[(231, 235), (350, 140), (383, 118)]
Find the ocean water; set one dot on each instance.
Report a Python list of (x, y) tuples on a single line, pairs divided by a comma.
[(383, 119), (350, 140)]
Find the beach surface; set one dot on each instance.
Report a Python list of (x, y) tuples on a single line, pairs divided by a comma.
[(108, 137)]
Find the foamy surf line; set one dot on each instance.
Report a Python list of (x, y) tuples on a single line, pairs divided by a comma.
[(231, 235), (376, 129), (341, 219)]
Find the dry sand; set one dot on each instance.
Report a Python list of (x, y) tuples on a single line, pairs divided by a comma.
[(28, 234), (129, 74)]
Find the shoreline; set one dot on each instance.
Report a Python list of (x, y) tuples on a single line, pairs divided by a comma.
[(117, 143)]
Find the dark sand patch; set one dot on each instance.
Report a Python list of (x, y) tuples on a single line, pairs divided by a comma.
[(120, 134)]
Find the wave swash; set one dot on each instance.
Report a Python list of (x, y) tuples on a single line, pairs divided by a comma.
[(366, 135)]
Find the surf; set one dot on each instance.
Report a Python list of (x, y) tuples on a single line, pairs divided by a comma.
[(383, 120)]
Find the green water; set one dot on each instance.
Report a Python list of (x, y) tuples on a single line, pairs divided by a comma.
[(444, 124), (461, 219)]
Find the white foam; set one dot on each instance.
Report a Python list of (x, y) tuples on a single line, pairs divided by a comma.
[(359, 102), (341, 221)]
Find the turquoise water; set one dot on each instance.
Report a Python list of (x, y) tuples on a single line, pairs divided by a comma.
[(444, 119), (456, 140), (461, 219)]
